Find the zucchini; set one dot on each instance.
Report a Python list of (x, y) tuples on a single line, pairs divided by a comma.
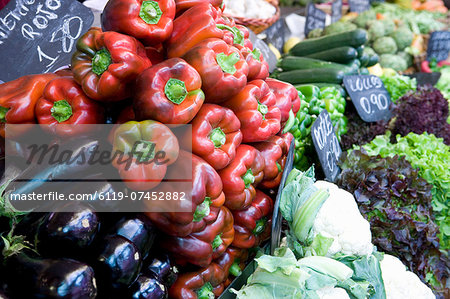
[(312, 76), (291, 63), (360, 50), (374, 59), (338, 55), (364, 59), (354, 38), (364, 71), (322, 84)]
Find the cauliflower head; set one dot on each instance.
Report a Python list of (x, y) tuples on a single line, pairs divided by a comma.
[(400, 283), (363, 18), (385, 45), (339, 27), (340, 219), (389, 26), (332, 293), (394, 62), (376, 30), (403, 37)]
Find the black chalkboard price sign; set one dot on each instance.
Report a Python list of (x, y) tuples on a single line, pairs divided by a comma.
[(370, 97), (39, 36), (438, 45), (336, 11), (276, 33), (359, 5), (315, 18), (327, 145)]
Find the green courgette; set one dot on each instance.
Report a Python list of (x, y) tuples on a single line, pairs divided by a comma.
[(354, 38), (291, 63), (312, 76), (374, 59), (360, 50), (364, 71), (364, 59), (338, 55)]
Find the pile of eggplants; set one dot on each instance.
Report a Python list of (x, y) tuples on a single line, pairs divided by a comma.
[(76, 255)]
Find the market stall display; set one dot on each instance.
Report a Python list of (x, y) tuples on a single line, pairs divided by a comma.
[(378, 228)]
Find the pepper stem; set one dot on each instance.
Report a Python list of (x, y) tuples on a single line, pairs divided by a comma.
[(205, 292), (101, 61), (280, 169), (143, 150), (227, 63), (217, 242), (248, 178), (263, 109), (202, 209), (218, 137), (150, 12), (175, 91), (256, 54), (235, 270), (238, 36), (61, 111), (260, 226), (3, 111)]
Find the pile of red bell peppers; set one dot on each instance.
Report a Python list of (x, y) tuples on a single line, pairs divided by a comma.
[(180, 62)]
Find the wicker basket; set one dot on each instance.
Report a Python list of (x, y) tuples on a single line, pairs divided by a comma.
[(259, 25)]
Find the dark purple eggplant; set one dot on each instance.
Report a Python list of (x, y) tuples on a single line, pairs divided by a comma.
[(147, 287), (139, 230), (68, 233), (162, 269), (50, 278), (118, 264)]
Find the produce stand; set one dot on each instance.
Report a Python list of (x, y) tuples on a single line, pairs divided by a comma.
[(224, 149)]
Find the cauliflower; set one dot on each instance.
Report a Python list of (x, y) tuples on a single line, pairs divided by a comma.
[(400, 283), (376, 30), (339, 27), (340, 219), (315, 33), (407, 57), (363, 18), (389, 26), (403, 37), (385, 45), (393, 61), (330, 292)]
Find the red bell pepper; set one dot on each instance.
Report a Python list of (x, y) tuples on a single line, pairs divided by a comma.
[(274, 150), (253, 225), (168, 92), (258, 67), (222, 67), (183, 5), (241, 176), (148, 147), (149, 21), (236, 35), (155, 54), (206, 197), (126, 115), (64, 106), (232, 262), (286, 97), (200, 248), (18, 100), (255, 106), (192, 27), (106, 64), (215, 135), (204, 283)]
